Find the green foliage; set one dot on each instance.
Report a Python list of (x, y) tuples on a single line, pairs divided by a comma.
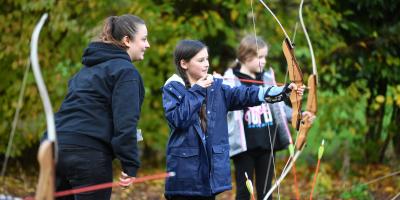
[(357, 192), (338, 123), (355, 43), (357, 57), (70, 28)]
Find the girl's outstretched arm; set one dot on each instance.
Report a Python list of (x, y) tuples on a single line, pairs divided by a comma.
[(240, 97)]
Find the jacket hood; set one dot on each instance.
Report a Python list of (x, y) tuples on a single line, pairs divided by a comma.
[(236, 72), (99, 52), (175, 78)]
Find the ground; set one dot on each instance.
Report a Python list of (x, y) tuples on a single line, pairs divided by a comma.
[(364, 182)]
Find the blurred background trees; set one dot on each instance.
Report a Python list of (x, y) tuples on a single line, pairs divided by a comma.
[(356, 45)]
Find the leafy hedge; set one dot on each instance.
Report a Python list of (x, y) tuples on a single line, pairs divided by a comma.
[(357, 56)]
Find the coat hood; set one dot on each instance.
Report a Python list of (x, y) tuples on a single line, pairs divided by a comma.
[(99, 52)]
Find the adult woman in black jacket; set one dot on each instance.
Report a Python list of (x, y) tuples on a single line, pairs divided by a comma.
[(98, 118)]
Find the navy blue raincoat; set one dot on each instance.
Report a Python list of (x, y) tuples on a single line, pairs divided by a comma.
[(201, 159)]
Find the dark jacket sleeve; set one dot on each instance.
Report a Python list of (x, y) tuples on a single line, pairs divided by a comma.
[(182, 107), (240, 97), (126, 112)]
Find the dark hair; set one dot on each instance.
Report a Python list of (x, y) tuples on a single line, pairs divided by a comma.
[(186, 50), (115, 28), (248, 49)]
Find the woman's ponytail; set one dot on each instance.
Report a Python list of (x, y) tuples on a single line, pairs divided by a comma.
[(115, 28)]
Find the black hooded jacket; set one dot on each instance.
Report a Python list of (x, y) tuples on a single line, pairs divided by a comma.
[(102, 106), (258, 135)]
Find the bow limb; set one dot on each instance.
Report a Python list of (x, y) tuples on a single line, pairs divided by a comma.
[(284, 173), (295, 74), (46, 153), (273, 15), (311, 107), (313, 63)]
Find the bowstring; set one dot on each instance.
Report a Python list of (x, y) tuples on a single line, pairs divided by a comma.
[(269, 131), (15, 120)]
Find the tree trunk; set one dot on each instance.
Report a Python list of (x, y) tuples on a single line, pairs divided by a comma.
[(346, 161), (395, 129), (375, 117)]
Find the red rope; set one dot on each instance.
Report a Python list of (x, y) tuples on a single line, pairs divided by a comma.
[(108, 185), (253, 81)]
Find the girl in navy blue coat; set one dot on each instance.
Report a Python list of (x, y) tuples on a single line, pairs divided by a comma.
[(196, 106)]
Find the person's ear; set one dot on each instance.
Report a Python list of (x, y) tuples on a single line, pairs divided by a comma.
[(184, 64), (127, 42)]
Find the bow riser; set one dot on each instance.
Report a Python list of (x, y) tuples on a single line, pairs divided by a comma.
[(312, 104), (312, 108), (45, 187), (304, 128), (296, 77)]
